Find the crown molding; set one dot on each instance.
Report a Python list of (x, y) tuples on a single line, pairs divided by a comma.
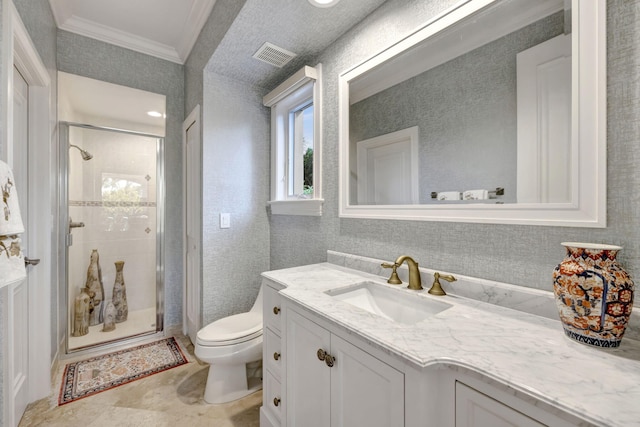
[(94, 30), (198, 16)]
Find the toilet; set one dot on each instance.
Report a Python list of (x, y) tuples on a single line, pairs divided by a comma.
[(228, 345)]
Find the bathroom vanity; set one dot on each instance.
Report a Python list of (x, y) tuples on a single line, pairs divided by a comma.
[(331, 359)]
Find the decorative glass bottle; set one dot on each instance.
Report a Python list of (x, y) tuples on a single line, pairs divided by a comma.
[(120, 294), (594, 294)]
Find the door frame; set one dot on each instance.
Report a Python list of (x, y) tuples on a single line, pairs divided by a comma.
[(20, 51), (192, 206)]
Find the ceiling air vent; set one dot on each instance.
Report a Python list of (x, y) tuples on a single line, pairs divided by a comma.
[(274, 55)]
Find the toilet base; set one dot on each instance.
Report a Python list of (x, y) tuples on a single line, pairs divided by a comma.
[(226, 383)]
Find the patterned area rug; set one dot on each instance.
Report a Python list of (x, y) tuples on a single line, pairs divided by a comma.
[(91, 376)]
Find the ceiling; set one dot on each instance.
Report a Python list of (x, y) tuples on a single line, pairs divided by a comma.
[(167, 29), (294, 25), (89, 101)]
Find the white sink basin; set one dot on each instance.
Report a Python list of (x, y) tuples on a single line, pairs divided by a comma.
[(397, 305)]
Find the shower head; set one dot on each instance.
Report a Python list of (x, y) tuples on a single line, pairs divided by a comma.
[(85, 154)]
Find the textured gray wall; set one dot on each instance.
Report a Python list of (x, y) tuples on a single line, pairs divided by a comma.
[(91, 58), (235, 179), (523, 255), (465, 110), (214, 30)]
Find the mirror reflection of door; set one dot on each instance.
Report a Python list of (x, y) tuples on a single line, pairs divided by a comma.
[(544, 122), (388, 169)]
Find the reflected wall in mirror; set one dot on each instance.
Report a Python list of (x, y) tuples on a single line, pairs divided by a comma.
[(498, 94)]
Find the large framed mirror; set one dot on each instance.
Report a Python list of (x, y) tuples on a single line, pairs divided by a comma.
[(492, 112)]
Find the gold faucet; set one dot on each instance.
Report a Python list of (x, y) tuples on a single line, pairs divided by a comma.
[(414, 274), (393, 279), (436, 287)]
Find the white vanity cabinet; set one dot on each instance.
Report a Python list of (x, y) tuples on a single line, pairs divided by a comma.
[(331, 382), (479, 404), (327, 365), (475, 409), (272, 358)]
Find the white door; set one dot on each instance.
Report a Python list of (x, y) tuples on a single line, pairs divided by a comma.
[(388, 169), (19, 293), (192, 215), (29, 134), (544, 155)]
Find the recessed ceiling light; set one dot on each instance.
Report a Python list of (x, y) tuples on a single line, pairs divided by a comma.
[(324, 3), (154, 114)]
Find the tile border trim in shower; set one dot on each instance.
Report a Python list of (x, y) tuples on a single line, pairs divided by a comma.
[(100, 204)]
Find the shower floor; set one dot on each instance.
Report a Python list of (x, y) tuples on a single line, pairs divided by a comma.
[(138, 322)]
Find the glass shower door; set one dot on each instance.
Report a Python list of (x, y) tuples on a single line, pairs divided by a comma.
[(112, 186)]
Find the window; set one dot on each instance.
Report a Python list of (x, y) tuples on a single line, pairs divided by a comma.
[(295, 134)]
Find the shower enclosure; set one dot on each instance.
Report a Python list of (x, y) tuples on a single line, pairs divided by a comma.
[(112, 189)]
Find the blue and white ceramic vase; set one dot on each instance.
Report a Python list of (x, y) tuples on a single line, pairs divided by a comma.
[(594, 294)]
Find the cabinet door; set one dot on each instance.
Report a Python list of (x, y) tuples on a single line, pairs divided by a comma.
[(364, 390), (475, 409), (307, 378)]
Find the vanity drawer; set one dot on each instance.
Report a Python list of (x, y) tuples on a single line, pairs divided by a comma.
[(273, 353), (271, 308), (272, 396)]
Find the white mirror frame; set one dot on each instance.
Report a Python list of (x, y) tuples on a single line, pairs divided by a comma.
[(589, 101)]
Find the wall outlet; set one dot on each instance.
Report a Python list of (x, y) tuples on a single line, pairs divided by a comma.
[(225, 220)]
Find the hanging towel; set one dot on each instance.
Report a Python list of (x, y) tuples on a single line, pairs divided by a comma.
[(449, 195), (12, 267), (475, 195), (10, 220)]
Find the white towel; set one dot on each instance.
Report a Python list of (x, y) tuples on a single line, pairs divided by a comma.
[(449, 195), (475, 195), (10, 220), (12, 267)]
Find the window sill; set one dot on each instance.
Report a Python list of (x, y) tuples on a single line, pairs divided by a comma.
[(307, 207)]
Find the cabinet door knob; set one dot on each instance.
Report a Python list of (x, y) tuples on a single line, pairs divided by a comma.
[(276, 401), (329, 360), (321, 354), (276, 355), (276, 310)]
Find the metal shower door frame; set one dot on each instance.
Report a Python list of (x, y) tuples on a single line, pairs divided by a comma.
[(63, 240)]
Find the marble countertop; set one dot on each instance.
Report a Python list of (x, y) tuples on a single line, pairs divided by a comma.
[(526, 352)]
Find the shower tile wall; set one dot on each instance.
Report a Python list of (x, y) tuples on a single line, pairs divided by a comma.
[(125, 230)]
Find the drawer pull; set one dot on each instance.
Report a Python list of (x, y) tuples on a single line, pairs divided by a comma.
[(329, 360), (276, 401), (325, 357), (276, 355), (276, 310)]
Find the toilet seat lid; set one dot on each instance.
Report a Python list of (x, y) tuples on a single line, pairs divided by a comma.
[(236, 328)]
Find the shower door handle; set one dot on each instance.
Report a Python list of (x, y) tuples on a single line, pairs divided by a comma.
[(76, 224)]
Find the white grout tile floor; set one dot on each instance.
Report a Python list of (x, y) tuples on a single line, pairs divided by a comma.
[(171, 398)]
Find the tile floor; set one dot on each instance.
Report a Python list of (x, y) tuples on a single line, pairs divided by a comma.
[(171, 398)]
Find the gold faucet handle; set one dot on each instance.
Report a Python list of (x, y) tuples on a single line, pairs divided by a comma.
[(394, 279), (436, 287), (447, 277)]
